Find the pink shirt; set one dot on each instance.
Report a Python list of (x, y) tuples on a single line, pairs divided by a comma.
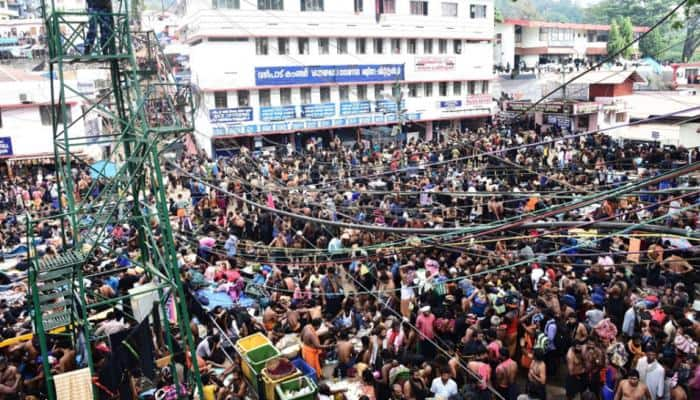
[(424, 323)]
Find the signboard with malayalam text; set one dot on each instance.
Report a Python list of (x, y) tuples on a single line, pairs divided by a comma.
[(318, 110), (6, 146), (317, 74), (224, 115), (425, 64), (355, 107), (281, 113)]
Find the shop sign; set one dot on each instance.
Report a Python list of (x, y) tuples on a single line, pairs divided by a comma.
[(586, 108), (435, 64), (355, 107), (223, 115), (387, 106), (317, 74), (479, 99), (277, 113), (318, 110), (451, 104), (6, 146)]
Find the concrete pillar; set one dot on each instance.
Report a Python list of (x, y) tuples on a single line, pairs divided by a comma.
[(429, 131)]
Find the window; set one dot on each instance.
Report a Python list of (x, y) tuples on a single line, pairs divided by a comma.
[(411, 46), (378, 46), (261, 46), (303, 44), (412, 90), (344, 93), (285, 96), (419, 7), (323, 46), (543, 34), (428, 46), (270, 4), (485, 87), (305, 95), (477, 11), (457, 88), (449, 9), (283, 46), (243, 98), (378, 89), (46, 117), (342, 46), (471, 87), (395, 46), (428, 89), (360, 46), (442, 46), (264, 97), (220, 100), (311, 5), (325, 94), (442, 89), (361, 92), (387, 6), (620, 117), (457, 46), (230, 4), (358, 6)]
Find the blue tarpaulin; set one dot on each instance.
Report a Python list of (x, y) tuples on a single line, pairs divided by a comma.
[(103, 169)]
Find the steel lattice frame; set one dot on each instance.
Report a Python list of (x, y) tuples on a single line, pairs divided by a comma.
[(147, 111)]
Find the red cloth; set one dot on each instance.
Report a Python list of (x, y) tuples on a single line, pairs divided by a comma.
[(424, 323)]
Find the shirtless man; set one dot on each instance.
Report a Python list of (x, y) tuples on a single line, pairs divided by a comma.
[(311, 345), (576, 379), (506, 375), (346, 354), (9, 378), (632, 389)]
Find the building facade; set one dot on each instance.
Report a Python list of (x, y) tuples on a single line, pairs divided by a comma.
[(527, 43), (299, 68)]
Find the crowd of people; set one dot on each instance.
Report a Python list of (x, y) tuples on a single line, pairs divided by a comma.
[(401, 268)]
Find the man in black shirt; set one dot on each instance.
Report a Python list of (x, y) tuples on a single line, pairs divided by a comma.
[(100, 14)]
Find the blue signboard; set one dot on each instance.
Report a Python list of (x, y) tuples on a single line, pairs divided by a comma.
[(355, 107), (326, 123), (297, 125), (6, 146), (451, 104), (251, 129), (353, 121), (277, 113), (387, 106), (282, 126), (266, 128), (315, 74), (318, 110), (366, 120), (311, 124), (379, 118), (413, 116), (391, 118), (339, 122), (220, 115)]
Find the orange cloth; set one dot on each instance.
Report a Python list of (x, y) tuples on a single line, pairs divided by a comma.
[(311, 356)]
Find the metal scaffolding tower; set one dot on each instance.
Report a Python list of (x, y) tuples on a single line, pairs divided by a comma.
[(144, 111)]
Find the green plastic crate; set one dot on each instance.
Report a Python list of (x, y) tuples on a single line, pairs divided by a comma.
[(296, 384), (259, 356)]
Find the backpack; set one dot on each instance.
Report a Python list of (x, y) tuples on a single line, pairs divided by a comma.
[(542, 342), (562, 339)]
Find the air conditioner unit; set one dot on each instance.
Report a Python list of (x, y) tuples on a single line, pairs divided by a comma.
[(24, 98)]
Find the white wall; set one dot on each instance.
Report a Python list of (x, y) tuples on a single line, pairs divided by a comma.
[(504, 52), (28, 135)]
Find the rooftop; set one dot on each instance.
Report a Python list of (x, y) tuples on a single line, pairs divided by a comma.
[(608, 77), (566, 25)]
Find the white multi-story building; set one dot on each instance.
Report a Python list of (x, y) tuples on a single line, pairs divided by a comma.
[(295, 68), (529, 43)]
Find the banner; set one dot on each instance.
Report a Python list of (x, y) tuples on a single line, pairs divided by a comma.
[(301, 75), (6, 146), (479, 99), (318, 110), (355, 107), (277, 113), (220, 115), (451, 104), (435, 64), (388, 106)]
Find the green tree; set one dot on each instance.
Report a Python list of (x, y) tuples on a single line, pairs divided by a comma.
[(652, 45), (626, 35), (615, 42)]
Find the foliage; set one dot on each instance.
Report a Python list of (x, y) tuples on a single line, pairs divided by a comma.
[(626, 35), (653, 45), (615, 41)]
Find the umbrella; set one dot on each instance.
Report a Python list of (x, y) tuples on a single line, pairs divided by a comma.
[(103, 169)]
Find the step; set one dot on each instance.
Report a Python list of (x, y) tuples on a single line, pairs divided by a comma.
[(44, 298), (48, 286), (55, 274), (56, 320), (67, 258), (54, 306)]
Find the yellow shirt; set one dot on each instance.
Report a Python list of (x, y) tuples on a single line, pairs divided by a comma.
[(209, 392)]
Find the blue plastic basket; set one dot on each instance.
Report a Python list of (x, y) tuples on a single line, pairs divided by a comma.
[(306, 369)]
